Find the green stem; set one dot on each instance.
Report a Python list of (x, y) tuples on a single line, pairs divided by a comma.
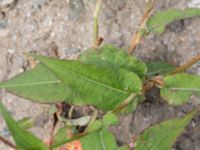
[(94, 116), (96, 23), (125, 103), (71, 112), (75, 137)]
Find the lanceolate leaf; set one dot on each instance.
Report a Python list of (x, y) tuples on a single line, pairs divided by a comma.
[(159, 68), (178, 88), (103, 87), (110, 55), (110, 119), (23, 139), (100, 140), (26, 123), (158, 22), (38, 84), (163, 136)]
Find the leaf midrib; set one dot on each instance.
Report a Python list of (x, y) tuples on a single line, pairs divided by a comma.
[(185, 89), (101, 140), (94, 81), (30, 84), (164, 137), (17, 129)]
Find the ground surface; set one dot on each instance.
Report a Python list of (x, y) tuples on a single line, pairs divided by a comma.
[(63, 28)]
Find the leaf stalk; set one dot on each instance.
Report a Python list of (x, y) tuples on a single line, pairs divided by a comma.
[(96, 24), (125, 103)]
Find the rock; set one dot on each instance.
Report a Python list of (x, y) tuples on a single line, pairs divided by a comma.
[(76, 9), (194, 4), (41, 120), (3, 24), (39, 3), (6, 2)]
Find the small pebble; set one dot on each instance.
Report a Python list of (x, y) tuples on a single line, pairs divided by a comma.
[(5, 2), (194, 4), (76, 9), (4, 32), (11, 51)]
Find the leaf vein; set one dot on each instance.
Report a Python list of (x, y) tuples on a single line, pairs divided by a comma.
[(31, 84)]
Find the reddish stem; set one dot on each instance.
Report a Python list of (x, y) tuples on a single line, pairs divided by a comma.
[(187, 64)]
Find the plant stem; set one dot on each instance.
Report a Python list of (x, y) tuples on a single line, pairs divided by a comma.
[(71, 112), (96, 24), (94, 116), (125, 103), (75, 137), (156, 81), (137, 37), (7, 142), (186, 65)]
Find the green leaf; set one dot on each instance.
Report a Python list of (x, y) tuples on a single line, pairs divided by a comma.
[(62, 138), (23, 139), (39, 85), (123, 148), (110, 119), (100, 140), (132, 105), (108, 55), (158, 68), (103, 87), (26, 123), (97, 125), (178, 88), (163, 136), (61, 135), (158, 22)]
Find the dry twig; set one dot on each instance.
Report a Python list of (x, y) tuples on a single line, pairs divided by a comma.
[(137, 37), (7, 142), (187, 65)]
